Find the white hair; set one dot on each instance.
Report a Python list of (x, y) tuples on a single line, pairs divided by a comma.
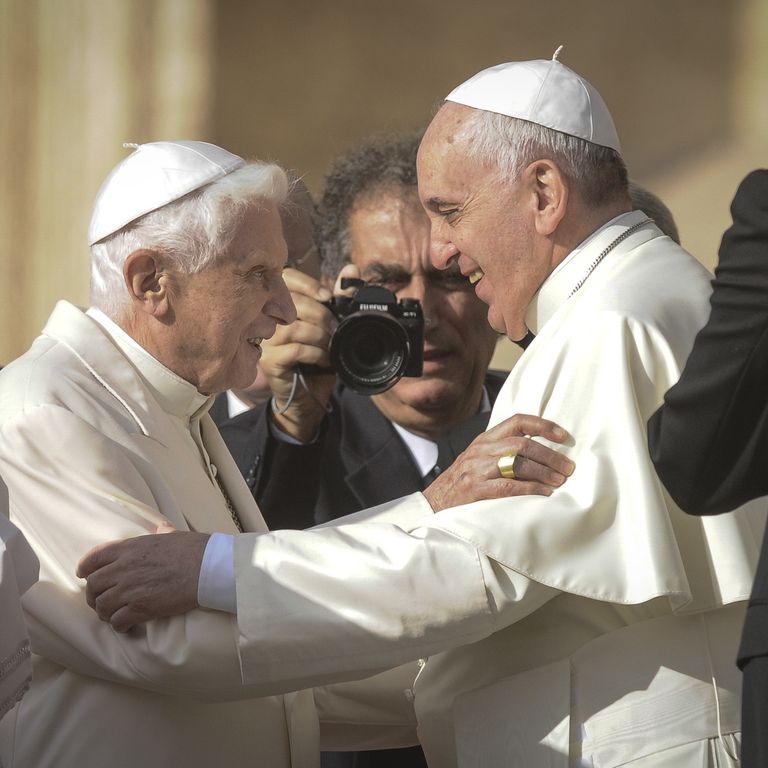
[(509, 145), (192, 232)]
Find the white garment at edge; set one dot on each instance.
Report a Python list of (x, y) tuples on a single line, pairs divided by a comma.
[(18, 572), (99, 441), (552, 588)]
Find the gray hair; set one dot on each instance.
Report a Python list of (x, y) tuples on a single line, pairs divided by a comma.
[(192, 232), (510, 145), (644, 200), (378, 164)]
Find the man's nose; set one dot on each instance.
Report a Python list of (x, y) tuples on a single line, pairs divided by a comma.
[(420, 288), (280, 305), (441, 251)]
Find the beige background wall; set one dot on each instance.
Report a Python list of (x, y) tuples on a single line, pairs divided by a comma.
[(297, 81)]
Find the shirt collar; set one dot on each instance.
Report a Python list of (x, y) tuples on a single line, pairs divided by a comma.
[(556, 289), (424, 450), (174, 394)]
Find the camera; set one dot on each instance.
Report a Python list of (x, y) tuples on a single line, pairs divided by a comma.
[(378, 340)]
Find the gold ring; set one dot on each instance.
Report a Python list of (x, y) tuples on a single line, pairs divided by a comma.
[(506, 465)]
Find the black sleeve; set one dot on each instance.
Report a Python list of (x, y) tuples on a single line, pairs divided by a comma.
[(709, 440), (284, 479)]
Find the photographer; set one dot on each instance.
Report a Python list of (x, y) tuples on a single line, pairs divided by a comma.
[(356, 451)]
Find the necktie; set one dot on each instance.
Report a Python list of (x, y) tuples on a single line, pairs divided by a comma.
[(430, 476)]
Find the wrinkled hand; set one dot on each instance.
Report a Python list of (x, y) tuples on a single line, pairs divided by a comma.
[(147, 577), (304, 341), (475, 475)]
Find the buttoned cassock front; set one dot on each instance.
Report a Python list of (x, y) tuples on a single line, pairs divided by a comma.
[(594, 620), (89, 454)]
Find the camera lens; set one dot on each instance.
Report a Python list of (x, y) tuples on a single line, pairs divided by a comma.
[(369, 351)]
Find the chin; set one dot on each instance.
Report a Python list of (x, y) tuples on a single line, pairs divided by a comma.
[(496, 321), (425, 392)]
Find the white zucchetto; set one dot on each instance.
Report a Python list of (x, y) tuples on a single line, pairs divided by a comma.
[(544, 92), (152, 176)]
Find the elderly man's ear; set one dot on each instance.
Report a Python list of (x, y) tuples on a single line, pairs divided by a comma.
[(549, 194), (148, 282)]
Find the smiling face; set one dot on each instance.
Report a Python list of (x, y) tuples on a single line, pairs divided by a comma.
[(482, 224), (222, 314), (389, 243)]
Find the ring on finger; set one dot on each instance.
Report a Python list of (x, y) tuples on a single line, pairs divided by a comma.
[(506, 465)]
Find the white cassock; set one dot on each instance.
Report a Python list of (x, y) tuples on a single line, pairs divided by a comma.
[(18, 572), (597, 626), (99, 441)]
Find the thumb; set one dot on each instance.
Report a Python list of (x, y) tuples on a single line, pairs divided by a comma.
[(165, 527)]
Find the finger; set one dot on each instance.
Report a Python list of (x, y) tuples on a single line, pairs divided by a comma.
[(527, 469), (282, 361), (124, 619), (301, 332), (547, 457), (97, 583), (501, 488), (524, 488), (95, 558), (305, 285), (107, 603), (311, 311), (526, 424)]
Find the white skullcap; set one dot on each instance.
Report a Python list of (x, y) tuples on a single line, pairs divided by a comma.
[(153, 176), (543, 92)]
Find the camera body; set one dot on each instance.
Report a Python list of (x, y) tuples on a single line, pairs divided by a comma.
[(378, 340)]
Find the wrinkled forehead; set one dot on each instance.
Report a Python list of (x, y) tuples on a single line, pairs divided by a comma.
[(450, 128), (443, 161), (259, 233)]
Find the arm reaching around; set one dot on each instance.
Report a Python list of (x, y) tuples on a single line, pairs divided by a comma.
[(149, 577)]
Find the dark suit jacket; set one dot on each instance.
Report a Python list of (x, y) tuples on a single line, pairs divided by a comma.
[(219, 411), (709, 441), (357, 462)]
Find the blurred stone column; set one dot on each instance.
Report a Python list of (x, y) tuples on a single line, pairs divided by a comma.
[(77, 79)]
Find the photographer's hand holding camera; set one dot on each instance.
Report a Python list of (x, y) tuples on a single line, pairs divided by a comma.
[(299, 410)]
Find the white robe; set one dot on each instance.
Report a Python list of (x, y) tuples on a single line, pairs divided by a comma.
[(541, 586), (91, 451), (18, 572)]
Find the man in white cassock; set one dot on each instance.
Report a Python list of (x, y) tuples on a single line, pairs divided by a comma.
[(600, 623), (104, 433), (18, 572)]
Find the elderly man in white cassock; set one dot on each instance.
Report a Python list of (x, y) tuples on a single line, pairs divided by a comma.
[(104, 432), (600, 624)]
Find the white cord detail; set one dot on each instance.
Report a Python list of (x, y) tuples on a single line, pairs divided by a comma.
[(278, 410), (298, 378), (734, 758)]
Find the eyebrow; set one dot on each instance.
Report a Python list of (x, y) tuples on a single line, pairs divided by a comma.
[(383, 269), (435, 202)]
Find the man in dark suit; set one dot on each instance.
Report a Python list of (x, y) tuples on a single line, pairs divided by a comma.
[(357, 451), (709, 441)]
